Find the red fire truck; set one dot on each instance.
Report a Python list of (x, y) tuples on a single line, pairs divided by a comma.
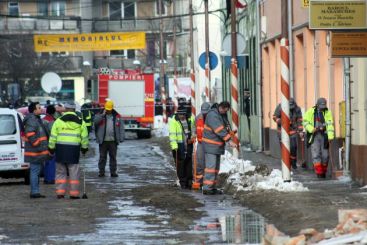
[(133, 96)]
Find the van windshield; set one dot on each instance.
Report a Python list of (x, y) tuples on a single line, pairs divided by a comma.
[(7, 123)]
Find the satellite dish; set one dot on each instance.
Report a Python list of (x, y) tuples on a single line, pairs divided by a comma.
[(51, 82)]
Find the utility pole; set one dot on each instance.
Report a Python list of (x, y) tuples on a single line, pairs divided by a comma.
[(285, 115), (161, 74), (207, 60), (234, 78), (175, 83), (192, 67)]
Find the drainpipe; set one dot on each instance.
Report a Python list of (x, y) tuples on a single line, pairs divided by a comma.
[(291, 53), (347, 114), (258, 77)]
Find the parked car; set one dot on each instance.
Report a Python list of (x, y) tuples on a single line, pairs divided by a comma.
[(12, 163)]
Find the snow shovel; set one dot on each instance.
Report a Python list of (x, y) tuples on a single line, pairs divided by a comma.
[(84, 188)]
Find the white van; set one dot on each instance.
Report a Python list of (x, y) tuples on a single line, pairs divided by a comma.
[(12, 163)]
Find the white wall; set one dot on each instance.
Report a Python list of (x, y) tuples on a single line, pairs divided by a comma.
[(215, 44)]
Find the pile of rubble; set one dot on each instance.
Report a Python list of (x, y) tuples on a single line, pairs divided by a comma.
[(352, 229)]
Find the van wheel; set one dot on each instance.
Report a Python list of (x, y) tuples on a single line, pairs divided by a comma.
[(26, 177)]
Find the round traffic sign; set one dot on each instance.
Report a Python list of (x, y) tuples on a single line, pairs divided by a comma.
[(213, 60)]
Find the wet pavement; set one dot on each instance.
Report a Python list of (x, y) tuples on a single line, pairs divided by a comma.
[(135, 220)]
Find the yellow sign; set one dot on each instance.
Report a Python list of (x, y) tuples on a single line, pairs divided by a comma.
[(338, 15), (346, 44), (89, 41), (305, 3)]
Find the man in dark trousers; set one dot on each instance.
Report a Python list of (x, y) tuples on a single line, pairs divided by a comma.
[(36, 145), (296, 127), (110, 131), (216, 134), (181, 141)]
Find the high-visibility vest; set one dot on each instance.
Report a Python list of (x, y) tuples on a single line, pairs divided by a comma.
[(87, 119), (200, 127), (69, 132), (309, 121), (175, 132)]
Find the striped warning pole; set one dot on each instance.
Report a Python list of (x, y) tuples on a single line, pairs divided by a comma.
[(234, 103), (285, 145), (192, 70), (193, 95), (234, 80)]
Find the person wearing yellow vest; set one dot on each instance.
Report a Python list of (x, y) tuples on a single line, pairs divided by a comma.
[(181, 141), (318, 122), (69, 137)]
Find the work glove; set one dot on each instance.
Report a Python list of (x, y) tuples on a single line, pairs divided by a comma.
[(84, 150), (51, 151)]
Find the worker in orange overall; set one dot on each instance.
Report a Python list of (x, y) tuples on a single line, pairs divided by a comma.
[(198, 154)]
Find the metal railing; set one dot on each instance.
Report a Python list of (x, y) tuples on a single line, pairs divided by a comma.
[(13, 25), (123, 25)]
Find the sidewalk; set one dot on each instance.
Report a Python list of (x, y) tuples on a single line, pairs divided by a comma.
[(292, 211)]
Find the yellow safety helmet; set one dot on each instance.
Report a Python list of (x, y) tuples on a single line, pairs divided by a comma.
[(108, 105)]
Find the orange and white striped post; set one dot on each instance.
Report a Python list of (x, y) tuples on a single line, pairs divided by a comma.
[(192, 70), (193, 95), (234, 80), (285, 118), (234, 104)]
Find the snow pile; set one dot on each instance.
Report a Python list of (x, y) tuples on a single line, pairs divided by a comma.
[(161, 129), (245, 176)]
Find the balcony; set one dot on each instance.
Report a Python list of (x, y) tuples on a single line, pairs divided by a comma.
[(65, 65), (30, 25), (124, 63), (149, 26)]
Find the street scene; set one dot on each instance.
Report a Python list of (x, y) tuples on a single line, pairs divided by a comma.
[(183, 122)]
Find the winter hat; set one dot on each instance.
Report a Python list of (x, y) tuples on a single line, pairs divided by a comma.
[(205, 107), (321, 103)]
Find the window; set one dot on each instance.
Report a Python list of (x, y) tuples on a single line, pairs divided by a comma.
[(121, 10), (7, 123), (42, 7), (13, 9), (164, 9), (115, 10), (129, 10), (58, 8), (130, 53)]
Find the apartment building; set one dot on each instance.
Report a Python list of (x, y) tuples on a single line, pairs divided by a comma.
[(19, 20)]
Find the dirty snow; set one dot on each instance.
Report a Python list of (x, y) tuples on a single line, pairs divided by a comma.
[(161, 129), (237, 168)]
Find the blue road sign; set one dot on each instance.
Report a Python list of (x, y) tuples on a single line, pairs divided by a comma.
[(213, 60)]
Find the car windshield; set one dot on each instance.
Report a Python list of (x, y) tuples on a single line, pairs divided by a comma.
[(7, 123)]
